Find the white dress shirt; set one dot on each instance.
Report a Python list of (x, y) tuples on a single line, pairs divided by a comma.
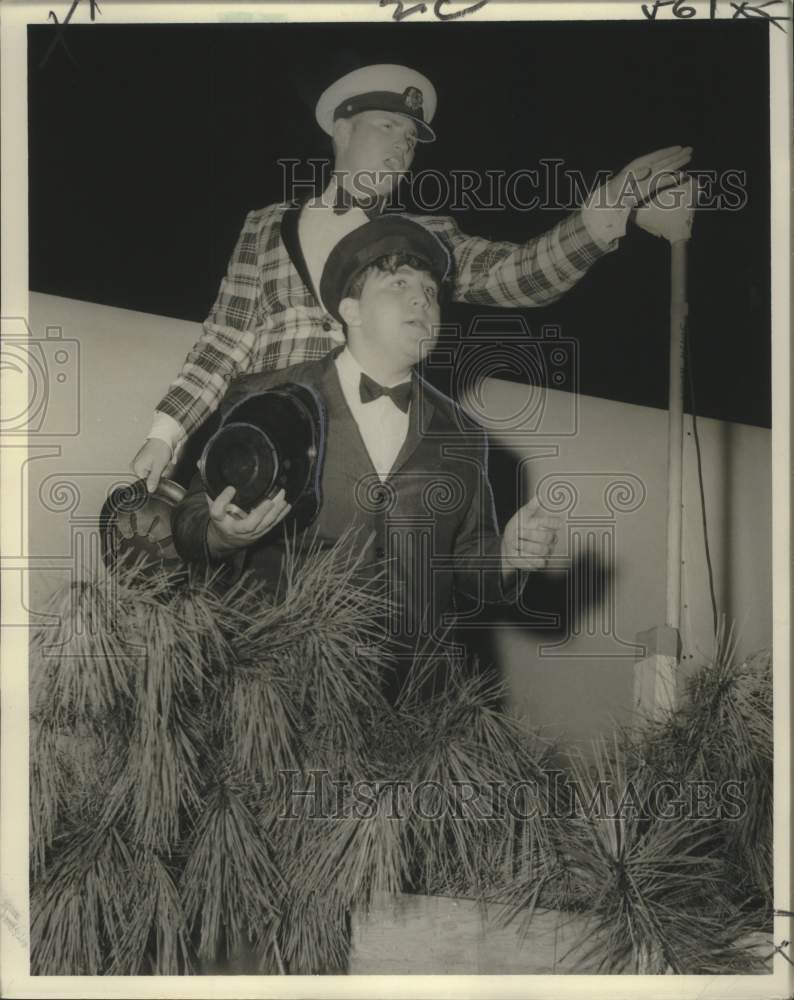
[(382, 423), (320, 229)]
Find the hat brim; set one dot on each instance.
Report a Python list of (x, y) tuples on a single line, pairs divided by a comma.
[(383, 78), (380, 238), (423, 131)]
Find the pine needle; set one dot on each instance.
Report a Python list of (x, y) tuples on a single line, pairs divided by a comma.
[(80, 913), (315, 935), (231, 887), (156, 940)]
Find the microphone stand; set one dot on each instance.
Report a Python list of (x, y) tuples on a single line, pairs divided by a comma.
[(655, 677)]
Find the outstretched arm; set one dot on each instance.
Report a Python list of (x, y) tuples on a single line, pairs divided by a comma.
[(538, 272), (518, 275)]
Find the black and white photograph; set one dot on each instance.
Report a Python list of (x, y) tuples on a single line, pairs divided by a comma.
[(395, 479)]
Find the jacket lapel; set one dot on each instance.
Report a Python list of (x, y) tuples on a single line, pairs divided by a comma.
[(422, 410), (289, 237), (354, 453)]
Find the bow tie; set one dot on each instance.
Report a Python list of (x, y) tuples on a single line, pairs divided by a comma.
[(372, 207), (369, 390)]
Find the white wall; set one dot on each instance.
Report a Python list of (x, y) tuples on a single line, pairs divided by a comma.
[(121, 362), (590, 679)]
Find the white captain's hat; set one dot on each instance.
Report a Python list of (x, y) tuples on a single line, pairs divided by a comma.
[(386, 87)]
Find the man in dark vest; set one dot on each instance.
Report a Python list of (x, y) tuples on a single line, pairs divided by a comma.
[(404, 468)]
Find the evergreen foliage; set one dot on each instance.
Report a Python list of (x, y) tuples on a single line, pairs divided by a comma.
[(178, 721), (671, 890)]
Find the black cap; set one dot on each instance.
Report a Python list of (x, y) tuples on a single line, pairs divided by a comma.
[(389, 234), (268, 441)]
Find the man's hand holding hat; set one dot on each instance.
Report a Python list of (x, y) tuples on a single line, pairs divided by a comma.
[(230, 528)]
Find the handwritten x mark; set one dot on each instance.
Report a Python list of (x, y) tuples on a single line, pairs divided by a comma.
[(60, 36), (755, 11), (779, 951)]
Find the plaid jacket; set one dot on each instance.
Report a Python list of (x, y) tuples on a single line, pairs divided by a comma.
[(267, 317)]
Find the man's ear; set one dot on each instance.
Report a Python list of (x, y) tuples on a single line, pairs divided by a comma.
[(350, 313)]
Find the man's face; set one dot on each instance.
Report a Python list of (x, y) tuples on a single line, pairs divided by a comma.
[(397, 316), (376, 148)]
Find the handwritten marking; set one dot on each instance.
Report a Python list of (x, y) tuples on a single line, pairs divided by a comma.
[(679, 9), (779, 951), (459, 13), (745, 8), (401, 11), (60, 37)]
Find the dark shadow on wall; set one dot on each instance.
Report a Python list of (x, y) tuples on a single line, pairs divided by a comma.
[(555, 606)]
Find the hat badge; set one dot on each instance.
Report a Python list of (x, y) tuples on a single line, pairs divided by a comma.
[(412, 98)]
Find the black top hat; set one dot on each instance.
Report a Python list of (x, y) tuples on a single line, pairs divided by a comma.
[(269, 441), (389, 234)]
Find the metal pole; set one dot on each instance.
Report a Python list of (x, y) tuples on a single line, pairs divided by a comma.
[(675, 442), (655, 676)]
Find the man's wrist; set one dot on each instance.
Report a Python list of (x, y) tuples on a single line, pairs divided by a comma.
[(512, 582), (218, 555), (164, 428), (605, 224), (218, 545)]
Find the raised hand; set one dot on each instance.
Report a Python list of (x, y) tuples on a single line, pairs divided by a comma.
[(642, 178), (529, 538)]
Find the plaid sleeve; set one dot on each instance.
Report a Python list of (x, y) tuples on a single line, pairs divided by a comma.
[(224, 349), (518, 275)]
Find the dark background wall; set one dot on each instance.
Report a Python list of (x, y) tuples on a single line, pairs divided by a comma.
[(146, 155)]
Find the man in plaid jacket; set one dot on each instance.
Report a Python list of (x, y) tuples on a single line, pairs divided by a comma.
[(268, 313)]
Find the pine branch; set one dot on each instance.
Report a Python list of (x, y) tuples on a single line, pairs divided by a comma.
[(81, 911), (314, 934), (231, 887), (260, 720), (157, 939)]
